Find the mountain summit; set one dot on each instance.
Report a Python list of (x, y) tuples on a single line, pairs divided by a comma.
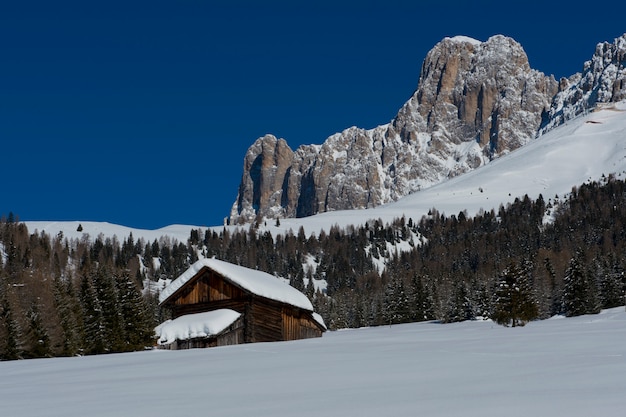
[(474, 102)]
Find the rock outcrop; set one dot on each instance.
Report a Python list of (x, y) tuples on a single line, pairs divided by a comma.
[(474, 102), (603, 80)]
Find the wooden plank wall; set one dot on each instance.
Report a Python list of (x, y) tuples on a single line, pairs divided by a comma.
[(220, 289), (291, 323), (208, 292), (309, 328), (264, 322), (209, 286)]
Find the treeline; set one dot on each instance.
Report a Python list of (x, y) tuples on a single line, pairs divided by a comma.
[(62, 297), (527, 260), (530, 259)]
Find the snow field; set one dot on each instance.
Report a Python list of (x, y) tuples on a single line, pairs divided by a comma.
[(562, 366)]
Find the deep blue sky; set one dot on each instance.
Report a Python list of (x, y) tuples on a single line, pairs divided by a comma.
[(140, 113)]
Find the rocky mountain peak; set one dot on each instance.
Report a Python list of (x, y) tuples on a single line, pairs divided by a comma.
[(480, 90), (474, 102), (265, 165), (602, 80)]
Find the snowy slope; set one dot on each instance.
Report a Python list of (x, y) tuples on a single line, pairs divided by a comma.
[(93, 229), (581, 150), (571, 367)]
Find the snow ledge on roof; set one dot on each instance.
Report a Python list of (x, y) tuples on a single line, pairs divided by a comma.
[(320, 320), (191, 326)]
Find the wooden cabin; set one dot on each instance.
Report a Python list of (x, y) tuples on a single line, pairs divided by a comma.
[(270, 309)]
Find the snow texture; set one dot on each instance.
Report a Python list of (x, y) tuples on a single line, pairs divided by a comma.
[(257, 282), (195, 325), (465, 39), (571, 367)]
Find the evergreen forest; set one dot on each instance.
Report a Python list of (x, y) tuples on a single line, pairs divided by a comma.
[(529, 260)]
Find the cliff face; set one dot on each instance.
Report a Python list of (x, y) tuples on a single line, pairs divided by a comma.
[(474, 102)]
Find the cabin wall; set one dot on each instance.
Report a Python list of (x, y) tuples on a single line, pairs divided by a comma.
[(298, 324), (263, 321)]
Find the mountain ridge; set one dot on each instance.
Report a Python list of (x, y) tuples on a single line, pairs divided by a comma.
[(475, 102), (596, 146)]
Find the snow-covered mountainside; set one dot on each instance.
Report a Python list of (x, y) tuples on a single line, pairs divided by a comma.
[(475, 102), (583, 149), (559, 367)]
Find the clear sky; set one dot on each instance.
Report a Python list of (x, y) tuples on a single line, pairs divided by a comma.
[(140, 113)]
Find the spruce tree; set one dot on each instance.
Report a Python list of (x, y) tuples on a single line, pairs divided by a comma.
[(69, 311), (515, 304), (136, 321), (580, 292), (420, 300), (459, 304), (11, 349), (94, 334), (38, 339), (396, 308)]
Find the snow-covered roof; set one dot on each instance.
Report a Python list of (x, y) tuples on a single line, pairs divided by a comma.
[(257, 282), (195, 325), (320, 320)]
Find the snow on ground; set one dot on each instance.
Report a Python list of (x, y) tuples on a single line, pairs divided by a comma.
[(568, 367)]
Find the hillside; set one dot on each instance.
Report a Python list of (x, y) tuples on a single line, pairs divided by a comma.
[(563, 366)]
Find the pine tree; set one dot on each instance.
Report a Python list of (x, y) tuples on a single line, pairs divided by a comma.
[(108, 298), (459, 305), (38, 339), (136, 322), (11, 334), (515, 304), (396, 307), (579, 293), (610, 283), (94, 329), (310, 287), (68, 308), (420, 300)]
